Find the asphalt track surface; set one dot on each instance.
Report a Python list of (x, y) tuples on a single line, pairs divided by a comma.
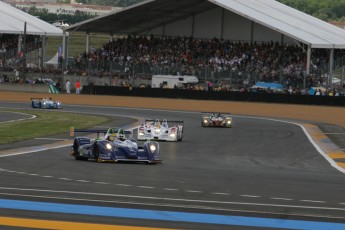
[(261, 173)]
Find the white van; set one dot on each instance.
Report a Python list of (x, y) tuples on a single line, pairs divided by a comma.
[(170, 81)]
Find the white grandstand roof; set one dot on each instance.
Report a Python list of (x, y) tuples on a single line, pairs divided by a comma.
[(269, 13), (288, 21), (12, 21)]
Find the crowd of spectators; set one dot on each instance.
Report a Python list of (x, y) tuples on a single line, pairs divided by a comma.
[(190, 56), (11, 58), (257, 61), (8, 42)]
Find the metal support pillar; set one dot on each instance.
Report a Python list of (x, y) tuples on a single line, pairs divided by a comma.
[(87, 48), (252, 32), (23, 70), (331, 64), (307, 71), (20, 45), (64, 51), (42, 52)]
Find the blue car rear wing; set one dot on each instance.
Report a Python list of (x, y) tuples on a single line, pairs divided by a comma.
[(98, 131), (41, 98)]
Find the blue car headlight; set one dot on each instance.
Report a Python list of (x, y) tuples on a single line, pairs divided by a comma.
[(153, 148), (108, 146)]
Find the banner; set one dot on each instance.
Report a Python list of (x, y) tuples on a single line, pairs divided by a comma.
[(53, 89)]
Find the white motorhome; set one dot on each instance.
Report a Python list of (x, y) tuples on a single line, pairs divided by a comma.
[(170, 81)]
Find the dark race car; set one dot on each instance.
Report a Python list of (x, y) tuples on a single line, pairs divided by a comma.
[(45, 103), (114, 146), (209, 119)]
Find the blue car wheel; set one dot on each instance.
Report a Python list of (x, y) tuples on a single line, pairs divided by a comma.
[(96, 152), (76, 155)]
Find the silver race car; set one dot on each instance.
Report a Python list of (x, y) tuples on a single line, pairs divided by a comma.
[(209, 119), (164, 130)]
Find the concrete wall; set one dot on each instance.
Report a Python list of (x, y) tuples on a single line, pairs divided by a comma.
[(16, 87)]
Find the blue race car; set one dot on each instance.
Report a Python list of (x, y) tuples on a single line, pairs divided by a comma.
[(114, 147), (45, 103)]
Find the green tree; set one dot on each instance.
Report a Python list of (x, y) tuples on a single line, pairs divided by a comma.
[(325, 14), (326, 10), (63, 1), (33, 10)]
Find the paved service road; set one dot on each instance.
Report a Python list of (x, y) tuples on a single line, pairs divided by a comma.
[(10, 116), (260, 173)]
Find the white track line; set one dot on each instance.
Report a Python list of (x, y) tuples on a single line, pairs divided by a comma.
[(21, 119)]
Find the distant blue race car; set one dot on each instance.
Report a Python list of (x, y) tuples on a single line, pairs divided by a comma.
[(114, 147), (45, 103)]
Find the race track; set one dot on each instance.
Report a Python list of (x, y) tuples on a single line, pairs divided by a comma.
[(260, 168)]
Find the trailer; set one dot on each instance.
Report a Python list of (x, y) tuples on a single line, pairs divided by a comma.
[(171, 81)]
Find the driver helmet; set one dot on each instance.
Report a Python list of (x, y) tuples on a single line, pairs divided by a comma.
[(121, 135), (157, 123), (111, 137), (165, 123)]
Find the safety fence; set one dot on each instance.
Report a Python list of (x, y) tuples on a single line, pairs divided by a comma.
[(296, 78), (204, 73)]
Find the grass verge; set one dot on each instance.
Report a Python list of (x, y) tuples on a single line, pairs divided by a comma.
[(46, 123), (76, 43)]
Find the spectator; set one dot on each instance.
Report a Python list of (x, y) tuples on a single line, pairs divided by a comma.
[(77, 87), (318, 92), (68, 87)]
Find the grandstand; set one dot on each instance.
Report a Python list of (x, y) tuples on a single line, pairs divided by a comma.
[(229, 41), (248, 22), (23, 39)]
